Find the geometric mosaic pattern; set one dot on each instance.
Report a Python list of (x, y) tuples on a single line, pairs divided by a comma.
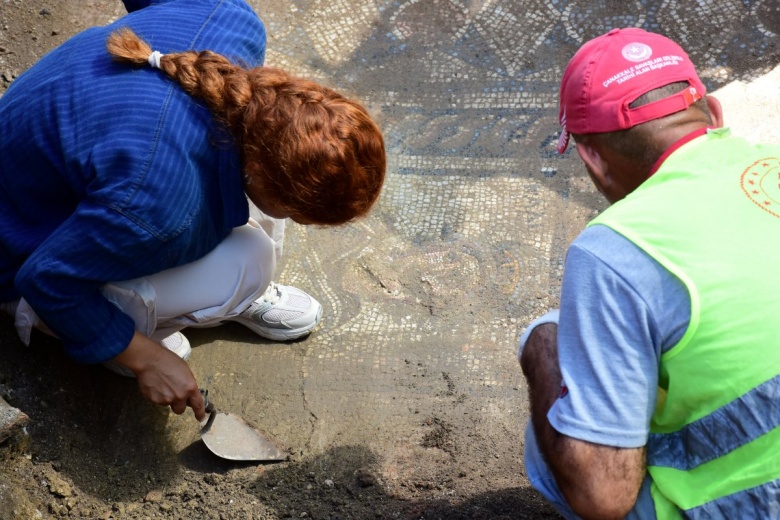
[(467, 242)]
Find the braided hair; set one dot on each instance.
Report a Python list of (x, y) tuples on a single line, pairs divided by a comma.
[(306, 149)]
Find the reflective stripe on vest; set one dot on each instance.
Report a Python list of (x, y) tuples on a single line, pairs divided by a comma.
[(758, 502), (727, 428)]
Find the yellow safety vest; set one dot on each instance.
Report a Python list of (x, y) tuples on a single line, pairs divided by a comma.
[(711, 216)]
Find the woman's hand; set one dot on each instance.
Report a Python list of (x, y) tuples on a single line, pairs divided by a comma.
[(163, 377)]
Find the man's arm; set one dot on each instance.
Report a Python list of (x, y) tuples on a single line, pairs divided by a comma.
[(598, 481)]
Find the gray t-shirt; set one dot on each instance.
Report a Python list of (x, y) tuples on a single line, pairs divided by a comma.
[(620, 309)]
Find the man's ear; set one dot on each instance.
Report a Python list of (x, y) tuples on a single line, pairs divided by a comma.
[(594, 163), (716, 111)]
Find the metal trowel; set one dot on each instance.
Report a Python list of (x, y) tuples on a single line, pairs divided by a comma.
[(230, 437)]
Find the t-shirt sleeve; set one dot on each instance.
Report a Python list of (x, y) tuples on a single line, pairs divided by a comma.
[(609, 349)]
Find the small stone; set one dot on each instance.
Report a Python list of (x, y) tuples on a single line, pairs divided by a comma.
[(58, 487), (154, 495), (58, 509), (11, 419), (364, 478)]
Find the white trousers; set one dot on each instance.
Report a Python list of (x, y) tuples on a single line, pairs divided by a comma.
[(203, 293)]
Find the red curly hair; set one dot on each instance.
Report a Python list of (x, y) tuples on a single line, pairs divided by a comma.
[(307, 151)]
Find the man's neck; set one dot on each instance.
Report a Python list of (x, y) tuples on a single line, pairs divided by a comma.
[(677, 144)]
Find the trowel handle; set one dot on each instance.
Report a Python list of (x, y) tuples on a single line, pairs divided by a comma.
[(209, 405)]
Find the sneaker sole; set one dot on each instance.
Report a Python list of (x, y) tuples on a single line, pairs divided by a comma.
[(278, 334)]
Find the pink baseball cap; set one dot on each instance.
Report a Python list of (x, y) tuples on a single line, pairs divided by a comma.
[(610, 72)]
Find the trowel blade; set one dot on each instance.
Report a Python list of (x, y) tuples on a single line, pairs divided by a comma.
[(230, 437)]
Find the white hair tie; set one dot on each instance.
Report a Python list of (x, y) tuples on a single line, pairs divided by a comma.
[(154, 59)]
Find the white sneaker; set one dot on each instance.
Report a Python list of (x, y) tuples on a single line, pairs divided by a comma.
[(176, 343), (282, 313)]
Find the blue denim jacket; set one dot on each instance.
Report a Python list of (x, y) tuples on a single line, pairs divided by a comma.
[(110, 172)]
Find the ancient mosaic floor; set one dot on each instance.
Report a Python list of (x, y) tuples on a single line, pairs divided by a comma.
[(467, 243)]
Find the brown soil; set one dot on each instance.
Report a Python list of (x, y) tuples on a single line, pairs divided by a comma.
[(94, 449)]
